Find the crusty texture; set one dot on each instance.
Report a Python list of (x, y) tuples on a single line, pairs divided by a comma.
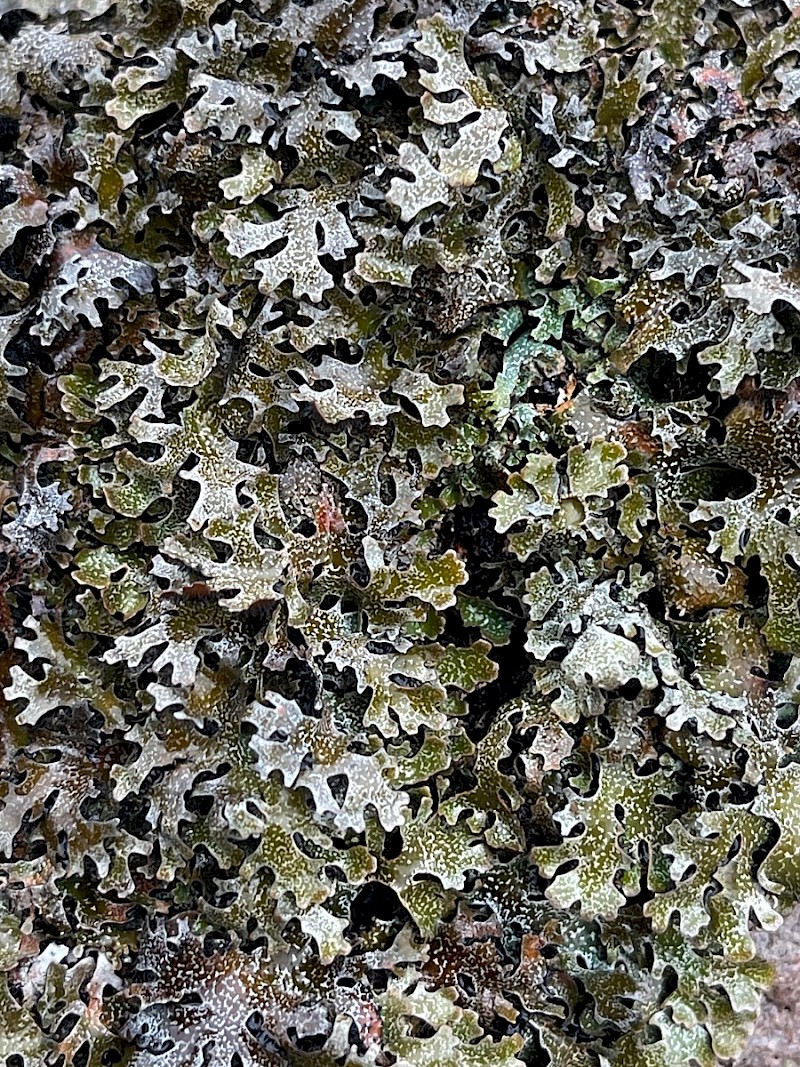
[(776, 1038)]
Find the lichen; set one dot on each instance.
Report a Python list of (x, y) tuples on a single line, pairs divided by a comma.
[(400, 593)]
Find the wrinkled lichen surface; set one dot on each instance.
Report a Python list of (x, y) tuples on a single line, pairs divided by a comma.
[(400, 489)]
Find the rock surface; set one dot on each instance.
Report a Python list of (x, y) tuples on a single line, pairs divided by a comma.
[(776, 1038)]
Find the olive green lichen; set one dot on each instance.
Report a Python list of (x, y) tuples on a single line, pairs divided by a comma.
[(400, 603)]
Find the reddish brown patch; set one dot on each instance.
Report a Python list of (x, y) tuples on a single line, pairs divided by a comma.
[(328, 516), (543, 17), (370, 1026), (636, 438), (531, 947), (197, 591)]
